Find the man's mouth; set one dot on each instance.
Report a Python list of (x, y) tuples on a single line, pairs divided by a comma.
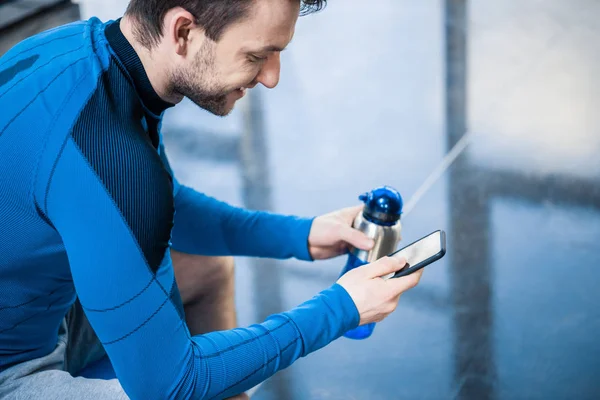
[(240, 92)]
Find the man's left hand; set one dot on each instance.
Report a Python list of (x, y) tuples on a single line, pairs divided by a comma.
[(331, 234)]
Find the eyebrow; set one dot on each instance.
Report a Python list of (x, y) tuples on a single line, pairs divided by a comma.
[(269, 48)]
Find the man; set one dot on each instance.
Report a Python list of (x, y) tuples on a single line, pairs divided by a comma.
[(93, 221)]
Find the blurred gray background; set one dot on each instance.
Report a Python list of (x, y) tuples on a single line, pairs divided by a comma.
[(379, 93)]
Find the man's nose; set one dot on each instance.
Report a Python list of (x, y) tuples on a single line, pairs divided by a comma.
[(269, 74)]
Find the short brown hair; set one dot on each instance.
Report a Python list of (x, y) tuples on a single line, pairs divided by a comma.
[(212, 15)]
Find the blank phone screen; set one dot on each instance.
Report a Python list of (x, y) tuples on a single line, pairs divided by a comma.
[(420, 251)]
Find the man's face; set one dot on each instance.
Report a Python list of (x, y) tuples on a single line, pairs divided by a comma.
[(247, 53)]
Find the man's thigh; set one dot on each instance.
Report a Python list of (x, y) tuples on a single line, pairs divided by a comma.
[(46, 378), (60, 385)]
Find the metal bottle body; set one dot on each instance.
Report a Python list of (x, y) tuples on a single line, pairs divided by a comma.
[(386, 238)]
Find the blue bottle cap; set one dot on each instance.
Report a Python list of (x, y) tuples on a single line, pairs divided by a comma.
[(383, 205)]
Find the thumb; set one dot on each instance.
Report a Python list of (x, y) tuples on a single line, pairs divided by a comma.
[(385, 265), (356, 238), (404, 283)]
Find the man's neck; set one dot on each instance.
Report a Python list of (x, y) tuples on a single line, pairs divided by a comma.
[(156, 67)]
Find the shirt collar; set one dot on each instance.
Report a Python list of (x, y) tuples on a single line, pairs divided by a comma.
[(126, 53)]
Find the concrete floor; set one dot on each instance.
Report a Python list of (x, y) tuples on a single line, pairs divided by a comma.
[(510, 312)]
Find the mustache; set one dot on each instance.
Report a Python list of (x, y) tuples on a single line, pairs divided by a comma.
[(247, 86)]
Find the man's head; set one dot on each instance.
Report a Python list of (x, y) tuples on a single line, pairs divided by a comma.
[(212, 50)]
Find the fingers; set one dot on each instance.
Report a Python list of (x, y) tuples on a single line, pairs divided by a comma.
[(404, 283), (352, 210), (384, 266), (356, 238), (349, 214)]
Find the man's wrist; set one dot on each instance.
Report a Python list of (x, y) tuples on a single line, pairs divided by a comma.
[(302, 252)]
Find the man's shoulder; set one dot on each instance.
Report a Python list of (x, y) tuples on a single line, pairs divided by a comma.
[(41, 58), (41, 74), (51, 45)]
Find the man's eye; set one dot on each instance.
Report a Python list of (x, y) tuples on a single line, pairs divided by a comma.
[(254, 58)]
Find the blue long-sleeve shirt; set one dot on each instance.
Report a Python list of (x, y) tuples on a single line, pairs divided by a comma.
[(90, 207)]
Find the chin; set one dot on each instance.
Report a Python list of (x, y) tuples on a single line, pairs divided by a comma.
[(224, 113), (218, 109), (227, 108)]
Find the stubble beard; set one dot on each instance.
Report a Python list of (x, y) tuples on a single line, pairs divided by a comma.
[(200, 83)]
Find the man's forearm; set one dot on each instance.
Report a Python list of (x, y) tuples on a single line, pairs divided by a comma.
[(204, 225)]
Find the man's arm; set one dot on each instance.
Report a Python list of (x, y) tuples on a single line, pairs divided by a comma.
[(114, 213), (207, 226)]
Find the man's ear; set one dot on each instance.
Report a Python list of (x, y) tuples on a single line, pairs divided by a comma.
[(178, 25)]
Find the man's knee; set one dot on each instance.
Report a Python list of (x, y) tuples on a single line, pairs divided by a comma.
[(199, 277), (221, 271)]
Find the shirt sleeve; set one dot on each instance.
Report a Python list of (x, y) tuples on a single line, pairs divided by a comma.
[(207, 226), (110, 199)]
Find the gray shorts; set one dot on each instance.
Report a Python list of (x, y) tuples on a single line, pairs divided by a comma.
[(51, 377)]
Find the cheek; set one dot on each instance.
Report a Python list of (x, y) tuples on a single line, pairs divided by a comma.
[(245, 73)]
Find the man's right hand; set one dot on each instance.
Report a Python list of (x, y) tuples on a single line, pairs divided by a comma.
[(375, 297)]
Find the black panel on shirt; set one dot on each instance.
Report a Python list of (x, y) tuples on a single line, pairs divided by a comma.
[(110, 135)]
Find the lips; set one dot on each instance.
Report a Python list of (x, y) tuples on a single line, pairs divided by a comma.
[(249, 86), (239, 92)]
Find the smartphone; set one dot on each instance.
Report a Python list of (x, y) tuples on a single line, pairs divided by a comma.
[(421, 253)]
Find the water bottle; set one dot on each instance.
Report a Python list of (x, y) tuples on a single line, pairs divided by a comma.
[(379, 220)]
